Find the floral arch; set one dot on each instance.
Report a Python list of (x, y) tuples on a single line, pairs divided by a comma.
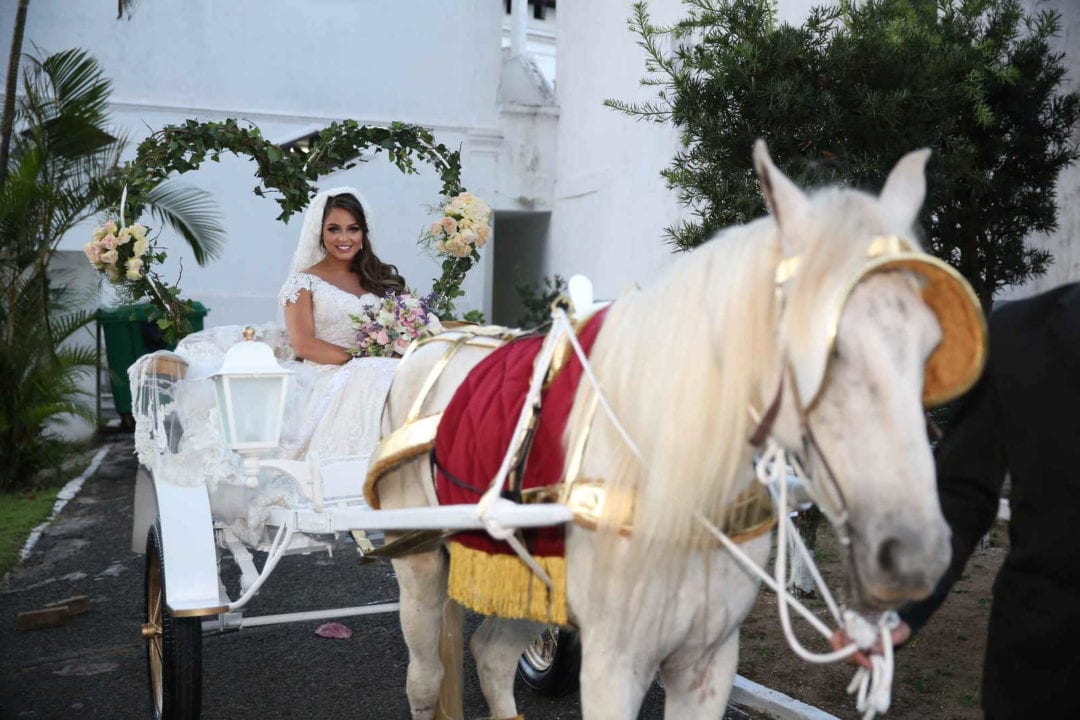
[(292, 173)]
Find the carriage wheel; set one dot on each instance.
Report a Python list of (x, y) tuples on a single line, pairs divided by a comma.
[(552, 662), (173, 646)]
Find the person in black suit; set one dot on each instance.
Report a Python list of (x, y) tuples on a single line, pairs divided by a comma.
[(1022, 420)]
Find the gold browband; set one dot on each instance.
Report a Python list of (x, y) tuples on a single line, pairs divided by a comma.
[(957, 362)]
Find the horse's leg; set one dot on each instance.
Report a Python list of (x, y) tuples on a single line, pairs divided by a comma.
[(613, 683), (422, 584), (698, 674), (617, 663), (698, 687), (496, 645), (422, 577)]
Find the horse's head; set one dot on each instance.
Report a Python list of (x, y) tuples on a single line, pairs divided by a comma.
[(872, 330)]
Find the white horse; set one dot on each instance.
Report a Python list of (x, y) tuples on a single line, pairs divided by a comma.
[(687, 364)]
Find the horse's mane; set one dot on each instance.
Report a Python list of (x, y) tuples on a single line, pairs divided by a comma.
[(683, 360)]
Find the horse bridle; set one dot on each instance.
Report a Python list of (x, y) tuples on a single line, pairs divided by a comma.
[(951, 370), (832, 503)]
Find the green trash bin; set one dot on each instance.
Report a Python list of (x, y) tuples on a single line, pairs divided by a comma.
[(130, 334)]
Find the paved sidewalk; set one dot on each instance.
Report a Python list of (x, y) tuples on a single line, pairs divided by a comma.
[(95, 667)]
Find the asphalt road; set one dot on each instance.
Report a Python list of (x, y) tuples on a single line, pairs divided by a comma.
[(95, 667)]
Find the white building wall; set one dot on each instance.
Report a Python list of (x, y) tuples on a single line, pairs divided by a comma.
[(610, 204)]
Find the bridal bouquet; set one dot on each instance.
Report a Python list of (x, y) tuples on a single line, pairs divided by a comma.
[(465, 226), (386, 329)]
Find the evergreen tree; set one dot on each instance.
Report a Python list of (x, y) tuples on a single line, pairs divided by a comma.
[(841, 97)]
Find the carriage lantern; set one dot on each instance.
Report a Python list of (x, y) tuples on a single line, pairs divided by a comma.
[(251, 389)]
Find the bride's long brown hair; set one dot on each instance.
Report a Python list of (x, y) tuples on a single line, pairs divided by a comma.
[(375, 276)]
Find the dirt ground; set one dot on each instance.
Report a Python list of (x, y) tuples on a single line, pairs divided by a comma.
[(937, 674)]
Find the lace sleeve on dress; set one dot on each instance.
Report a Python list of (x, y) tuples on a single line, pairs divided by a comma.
[(290, 291)]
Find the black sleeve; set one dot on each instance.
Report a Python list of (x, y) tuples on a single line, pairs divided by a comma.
[(970, 472)]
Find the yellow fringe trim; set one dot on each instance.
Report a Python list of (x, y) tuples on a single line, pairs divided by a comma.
[(493, 584)]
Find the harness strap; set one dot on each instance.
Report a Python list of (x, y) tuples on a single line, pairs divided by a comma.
[(764, 428), (433, 376)]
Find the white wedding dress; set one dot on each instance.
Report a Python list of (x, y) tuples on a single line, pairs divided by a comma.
[(337, 409)]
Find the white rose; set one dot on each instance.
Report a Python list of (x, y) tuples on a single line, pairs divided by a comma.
[(110, 257), (134, 268), (140, 246), (469, 236)]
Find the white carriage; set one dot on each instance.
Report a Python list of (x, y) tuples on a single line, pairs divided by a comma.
[(210, 482)]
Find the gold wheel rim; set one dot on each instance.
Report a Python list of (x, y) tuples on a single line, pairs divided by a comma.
[(154, 618), (541, 651)]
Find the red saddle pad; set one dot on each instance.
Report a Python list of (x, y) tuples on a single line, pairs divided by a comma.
[(477, 425)]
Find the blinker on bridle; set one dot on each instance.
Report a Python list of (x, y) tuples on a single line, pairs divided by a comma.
[(951, 369)]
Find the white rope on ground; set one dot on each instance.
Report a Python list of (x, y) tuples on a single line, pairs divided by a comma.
[(66, 494)]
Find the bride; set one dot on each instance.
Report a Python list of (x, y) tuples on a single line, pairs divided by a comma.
[(336, 274)]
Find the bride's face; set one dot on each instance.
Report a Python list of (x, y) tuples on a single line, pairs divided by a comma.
[(341, 235)]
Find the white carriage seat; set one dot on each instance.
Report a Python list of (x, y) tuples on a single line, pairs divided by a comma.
[(343, 478)]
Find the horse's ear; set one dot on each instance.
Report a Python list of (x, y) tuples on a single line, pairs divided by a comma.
[(904, 191), (785, 200)]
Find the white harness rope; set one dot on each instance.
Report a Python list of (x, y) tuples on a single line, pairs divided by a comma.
[(872, 688)]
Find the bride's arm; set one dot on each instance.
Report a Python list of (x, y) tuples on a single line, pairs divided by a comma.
[(300, 322)]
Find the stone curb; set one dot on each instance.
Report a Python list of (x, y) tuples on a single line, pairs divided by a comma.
[(773, 703), (66, 494)]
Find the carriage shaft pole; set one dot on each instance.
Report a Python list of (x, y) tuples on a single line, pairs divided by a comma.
[(236, 621)]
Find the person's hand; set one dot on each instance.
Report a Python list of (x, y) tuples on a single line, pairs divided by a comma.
[(840, 639)]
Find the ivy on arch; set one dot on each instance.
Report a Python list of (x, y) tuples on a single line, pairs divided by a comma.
[(292, 175)]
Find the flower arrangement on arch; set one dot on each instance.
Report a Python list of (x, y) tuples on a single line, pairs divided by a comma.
[(464, 226), (126, 255), (387, 328), (119, 253), (457, 236)]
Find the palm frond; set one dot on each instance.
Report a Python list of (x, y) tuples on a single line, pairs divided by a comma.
[(65, 104), (66, 325), (79, 356), (79, 86), (193, 213)]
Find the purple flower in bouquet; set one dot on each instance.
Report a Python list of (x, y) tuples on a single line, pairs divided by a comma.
[(387, 328)]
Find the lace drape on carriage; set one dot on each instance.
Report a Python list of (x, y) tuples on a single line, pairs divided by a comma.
[(178, 427)]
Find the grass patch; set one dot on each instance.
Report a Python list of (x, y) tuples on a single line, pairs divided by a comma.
[(21, 512)]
